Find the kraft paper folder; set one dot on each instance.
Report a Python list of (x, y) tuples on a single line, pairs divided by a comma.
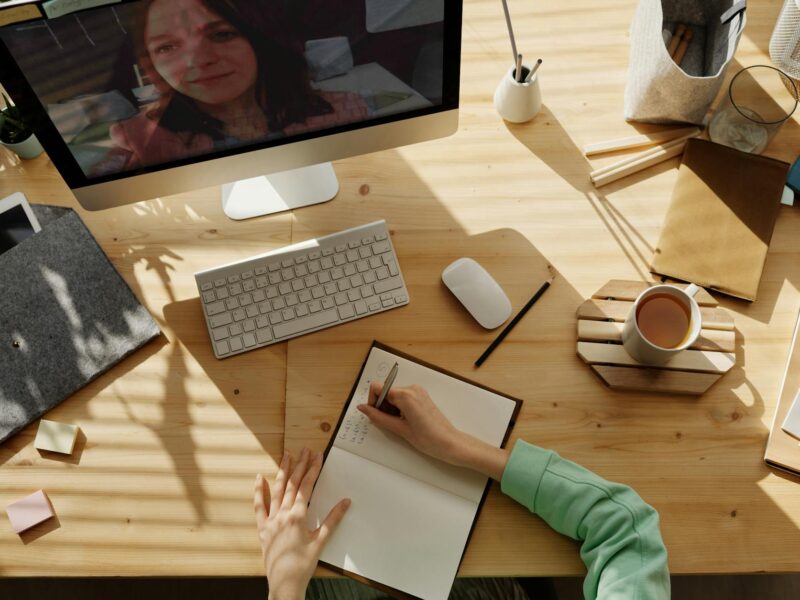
[(411, 517), (66, 317), (719, 225), (783, 450)]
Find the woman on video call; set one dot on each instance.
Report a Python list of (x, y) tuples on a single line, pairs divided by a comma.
[(223, 81)]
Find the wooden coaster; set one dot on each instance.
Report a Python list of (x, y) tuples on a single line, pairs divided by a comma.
[(600, 322)]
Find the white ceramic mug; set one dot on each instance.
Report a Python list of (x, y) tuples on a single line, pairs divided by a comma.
[(517, 101), (642, 349)]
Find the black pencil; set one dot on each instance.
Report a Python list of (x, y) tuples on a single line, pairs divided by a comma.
[(513, 322)]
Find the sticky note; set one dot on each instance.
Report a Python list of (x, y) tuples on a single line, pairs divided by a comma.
[(29, 511), (788, 196), (56, 437), (59, 8), (18, 14)]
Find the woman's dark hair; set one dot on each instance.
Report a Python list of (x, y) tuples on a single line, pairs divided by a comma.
[(283, 88)]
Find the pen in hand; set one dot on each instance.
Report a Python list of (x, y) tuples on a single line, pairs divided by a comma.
[(387, 385)]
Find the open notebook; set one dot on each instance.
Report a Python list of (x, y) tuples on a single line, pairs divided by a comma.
[(411, 515)]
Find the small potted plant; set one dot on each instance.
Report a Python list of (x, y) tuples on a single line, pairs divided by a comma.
[(15, 134)]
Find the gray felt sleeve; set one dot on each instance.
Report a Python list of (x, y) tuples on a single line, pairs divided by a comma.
[(66, 317)]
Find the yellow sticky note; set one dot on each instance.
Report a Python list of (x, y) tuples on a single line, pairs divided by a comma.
[(18, 14), (56, 437)]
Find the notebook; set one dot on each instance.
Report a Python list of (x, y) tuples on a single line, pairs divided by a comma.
[(719, 224), (412, 515), (783, 450)]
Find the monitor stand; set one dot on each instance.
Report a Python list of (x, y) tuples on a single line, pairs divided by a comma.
[(287, 190)]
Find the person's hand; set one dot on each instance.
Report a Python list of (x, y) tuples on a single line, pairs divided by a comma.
[(289, 549), (418, 421)]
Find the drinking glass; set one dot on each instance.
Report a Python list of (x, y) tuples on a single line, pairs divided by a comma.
[(760, 99)]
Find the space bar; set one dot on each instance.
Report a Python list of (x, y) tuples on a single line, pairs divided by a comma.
[(304, 324)]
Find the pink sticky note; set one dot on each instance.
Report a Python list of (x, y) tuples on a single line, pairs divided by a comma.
[(29, 511)]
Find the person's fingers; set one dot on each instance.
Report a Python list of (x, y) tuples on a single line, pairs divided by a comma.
[(260, 500), (294, 480), (279, 487), (375, 388), (394, 424), (331, 522), (310, 478)]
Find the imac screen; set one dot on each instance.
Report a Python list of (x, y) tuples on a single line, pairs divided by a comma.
[(140, 85)]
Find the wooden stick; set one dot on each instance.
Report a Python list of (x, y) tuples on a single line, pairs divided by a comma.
[(637, 141), (676, 39), (663, 153), (637, 157), (681, 51)]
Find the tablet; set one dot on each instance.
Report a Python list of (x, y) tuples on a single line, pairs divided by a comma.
[(17, 221)]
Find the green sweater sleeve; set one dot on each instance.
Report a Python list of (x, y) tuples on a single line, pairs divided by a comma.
[(621, 543)]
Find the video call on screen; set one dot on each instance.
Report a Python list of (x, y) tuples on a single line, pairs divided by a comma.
[(142, 84)]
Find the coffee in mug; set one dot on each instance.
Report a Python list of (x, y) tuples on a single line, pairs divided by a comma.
[(664, 320)]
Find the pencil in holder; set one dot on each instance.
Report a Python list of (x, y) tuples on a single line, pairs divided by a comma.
[(518, 101)]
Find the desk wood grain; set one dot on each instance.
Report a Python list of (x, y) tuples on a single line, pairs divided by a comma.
[(162, 484)]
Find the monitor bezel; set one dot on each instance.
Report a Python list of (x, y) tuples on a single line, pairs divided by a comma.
[(23, 95)]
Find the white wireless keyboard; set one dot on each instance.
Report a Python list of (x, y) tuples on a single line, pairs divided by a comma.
[(301, 288)]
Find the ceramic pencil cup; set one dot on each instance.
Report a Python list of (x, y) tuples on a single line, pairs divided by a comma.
[(518, 102)]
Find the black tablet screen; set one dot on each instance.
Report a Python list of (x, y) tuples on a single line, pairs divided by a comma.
[(14, 227)]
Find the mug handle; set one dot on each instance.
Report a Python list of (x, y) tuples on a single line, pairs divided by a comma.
[(691, 290)]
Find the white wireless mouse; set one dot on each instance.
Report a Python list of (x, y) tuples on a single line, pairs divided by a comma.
[(478, 292)]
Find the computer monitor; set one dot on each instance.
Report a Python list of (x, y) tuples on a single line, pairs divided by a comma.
[(142, 99)]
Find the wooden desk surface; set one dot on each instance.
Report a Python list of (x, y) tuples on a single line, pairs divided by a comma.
[(162, 483)]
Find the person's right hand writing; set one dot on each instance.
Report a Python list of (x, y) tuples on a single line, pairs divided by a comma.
[(424, 426)]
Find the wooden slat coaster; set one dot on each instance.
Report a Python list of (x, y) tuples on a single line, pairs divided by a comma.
[(600, 323)]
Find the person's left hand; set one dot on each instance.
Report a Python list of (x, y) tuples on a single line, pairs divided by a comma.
[(290, 550)]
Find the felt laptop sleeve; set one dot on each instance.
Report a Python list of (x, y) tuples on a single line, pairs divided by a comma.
[(719, 224), (66, 317)]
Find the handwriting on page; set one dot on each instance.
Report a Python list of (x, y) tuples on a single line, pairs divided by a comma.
[(354, 429)]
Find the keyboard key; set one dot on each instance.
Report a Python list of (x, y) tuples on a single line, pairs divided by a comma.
[(314, 255), (369, 277), (353, 295), (381, 247), (222, 348), (328, 302), (214, 308), (324, 277), (304, 296), (349, 270), (239, 315), (301, 310), (250, 325), (298, 285), (272, 267), (356, 281), (234, 278), (393, 270), (206, 286), (300, 260), (374, 262), (209, 296), (220, 333), (291, 299), (278, 304), (219, 321), (382, 273), (344, 285), (361, 307), (219, 282), (265, 307), (362, 266), (310, 281), (249, 285), (284, 288), (245, 300), (287, 314), (380, 236), (387, 302), (353, 244), (275, 317), (326, 263), (222, 293), (327, 251), (249, 340), (262, 321), (373, 305), (367, 240), (259, 296), (341, 247), (274, 278), (310, 322), (352, 256), (287, 263), (317, 292), (315, 306), (261, 282), (252, 310), (261, 270), (232, 303), (236, 329), (339, 260), (301, 271), (340, 299), (287, 274), (272, 292), (247, 274), (337, 273), (314, 267), (235, 289), (263, 336), (399, 298), (366, 291), (236, 344), (388, 284), (364, 252)]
